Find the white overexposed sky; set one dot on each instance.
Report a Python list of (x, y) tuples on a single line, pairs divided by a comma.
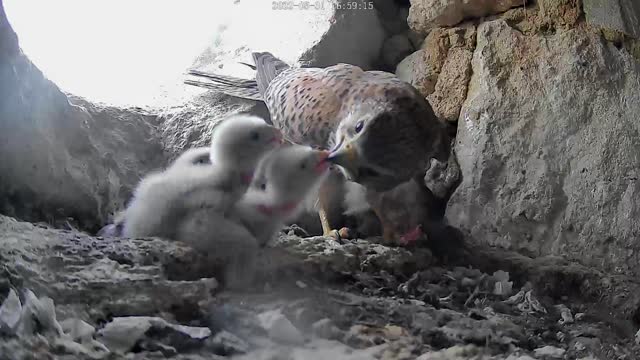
[(135, 52)]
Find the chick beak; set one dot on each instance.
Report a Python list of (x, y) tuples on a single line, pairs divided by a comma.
[(322, 163), (277, 138), (347, 157)]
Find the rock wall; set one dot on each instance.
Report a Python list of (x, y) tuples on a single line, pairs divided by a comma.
[(65, 158), (548, 143), (190, 124), (620, 15), (546, 100)]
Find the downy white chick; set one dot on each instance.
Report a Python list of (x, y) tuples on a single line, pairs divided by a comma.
[(227, 243), (163, 199), (195, 156), (284, 179)]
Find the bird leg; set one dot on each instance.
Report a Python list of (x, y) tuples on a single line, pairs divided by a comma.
[(323, 205), (388, 233), (324, 218)]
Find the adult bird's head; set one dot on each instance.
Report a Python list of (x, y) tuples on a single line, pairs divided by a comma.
[(385, 140)]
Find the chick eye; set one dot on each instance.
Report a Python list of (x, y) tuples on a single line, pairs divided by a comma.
[(263, 186), (255, 136), (303, 165), (359, 126)]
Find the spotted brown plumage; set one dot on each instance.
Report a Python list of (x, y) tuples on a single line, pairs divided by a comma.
[(382, 131)]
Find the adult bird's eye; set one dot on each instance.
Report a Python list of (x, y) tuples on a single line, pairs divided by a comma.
[(255, 136), (359, 126), (263, 186), (204, 159), (303, 165)]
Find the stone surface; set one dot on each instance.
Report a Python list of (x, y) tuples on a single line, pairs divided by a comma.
[(123, 333), (10, 312), (137, 291), (546, 17), (190, 124), (451, 88), (455, 72), (549, 352), (566, 185), (65, 157), (424, 15), (395, 49), (442, 178), (323, 255), (279, 328), (78, 330), (441, 69), (78, 272), (416, 70), (324, 328), (392, 15), (421, 69), (226, 343), (621, 15)]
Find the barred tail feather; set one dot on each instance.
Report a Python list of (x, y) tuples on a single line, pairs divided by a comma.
[(267, 68), (229, 85)]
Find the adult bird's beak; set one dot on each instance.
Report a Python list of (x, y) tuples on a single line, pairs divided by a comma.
[(346, 156)]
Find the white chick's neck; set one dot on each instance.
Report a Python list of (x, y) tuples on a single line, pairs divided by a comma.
[(281, 210), (246, 175)]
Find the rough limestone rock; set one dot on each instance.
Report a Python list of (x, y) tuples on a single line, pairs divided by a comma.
[(441, 69), (451, 89), (92, 278), (190, 124), (65, 157), (421, 69), (547, 142), (123, 333), (151, 298), (621, 15), (395, 49), (425, 15), (546, 16)]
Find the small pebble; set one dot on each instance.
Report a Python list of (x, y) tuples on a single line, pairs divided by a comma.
[(225, 343), (550, 351), (324, 328), (280, 328), (467, 282)]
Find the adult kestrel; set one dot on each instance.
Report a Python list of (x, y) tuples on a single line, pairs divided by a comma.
[(382, 131)]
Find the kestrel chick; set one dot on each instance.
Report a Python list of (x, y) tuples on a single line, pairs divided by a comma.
[(283, 181), (381, 130), (195, 156), (162, 198)]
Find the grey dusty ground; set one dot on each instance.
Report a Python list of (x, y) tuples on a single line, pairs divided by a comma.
[(68, 295)]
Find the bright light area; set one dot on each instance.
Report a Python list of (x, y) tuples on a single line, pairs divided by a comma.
[(135, 52)]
